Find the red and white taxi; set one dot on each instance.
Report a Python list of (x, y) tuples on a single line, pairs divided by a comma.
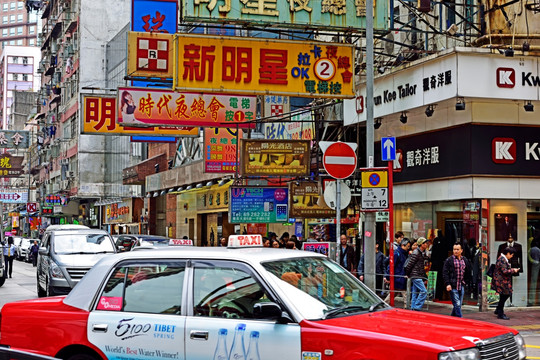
[(238, 303)]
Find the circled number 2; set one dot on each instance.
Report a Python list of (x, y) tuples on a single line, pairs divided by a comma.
[(325, 69)]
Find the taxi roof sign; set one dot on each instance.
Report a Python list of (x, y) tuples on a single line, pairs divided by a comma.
[(180, 242), (241, 241)]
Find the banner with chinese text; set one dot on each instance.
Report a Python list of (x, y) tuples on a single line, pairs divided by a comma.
[(275, 157), (300, 127), (220, 150), (14, 139), (258, 205), (307, 201), (143, 107), (330, 14), (99, 117), (263, 66)]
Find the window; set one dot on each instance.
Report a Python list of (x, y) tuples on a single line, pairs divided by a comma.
[(15, 77), (11, 18), (32, 42), (12, 32), (13, 5), (19, 30), (4, 32), (4, 19), (20, 18), (20, 5), (11, 42), (225, 292), (25, 60), (25, 77), (6, 7), (19, 42), (149, 287), (31, 29)]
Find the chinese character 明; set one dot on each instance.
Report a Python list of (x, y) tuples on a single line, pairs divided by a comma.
[(146, 105), (302, 5), (164, 103), (260, 7), (157, 21), (196, 61), (235, 62), (273, 68)]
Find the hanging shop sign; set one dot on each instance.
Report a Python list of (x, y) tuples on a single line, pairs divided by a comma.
[(300, 127), (275, 157), (216, 197), (150, 54), (220, 150), (306, 201), (258, 205), (263, 66), (276, 106), (52, 200), (468, 150), (14, 139), (154, 16), (118, 213), (13, 196), (334, 15), (144, 107), (100, 117), (11, 166)]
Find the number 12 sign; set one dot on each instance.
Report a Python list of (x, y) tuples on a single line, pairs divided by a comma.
[(374, 198)]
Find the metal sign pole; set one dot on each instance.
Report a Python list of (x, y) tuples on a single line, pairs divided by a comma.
[(338, 217), (391, 227)]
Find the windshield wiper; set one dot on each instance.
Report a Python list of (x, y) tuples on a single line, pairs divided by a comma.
[(343, 309), (376, 305)]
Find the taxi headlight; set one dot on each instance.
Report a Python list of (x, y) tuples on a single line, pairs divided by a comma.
[(521, 346), (467, 354), (56, 272)]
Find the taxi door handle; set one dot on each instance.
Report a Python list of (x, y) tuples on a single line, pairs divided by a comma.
[(198, 335), (100, 328)]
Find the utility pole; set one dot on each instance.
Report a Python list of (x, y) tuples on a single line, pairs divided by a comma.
[(369, 228)]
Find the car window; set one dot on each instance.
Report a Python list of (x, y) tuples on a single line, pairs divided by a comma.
[(154, 288), (66, 244), (226, 292)]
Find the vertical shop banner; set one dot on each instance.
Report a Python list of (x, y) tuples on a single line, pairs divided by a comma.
[(259, 66), (326, 14), (144, 107), (220, 150), (275, 157), (300, 127), (258, 205), (159, 16), (99, 117), (308, 202)]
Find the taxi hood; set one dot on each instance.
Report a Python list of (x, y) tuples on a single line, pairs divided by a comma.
[(438, 330)]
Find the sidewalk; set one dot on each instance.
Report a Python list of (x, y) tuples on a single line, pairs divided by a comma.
[(521, 318)]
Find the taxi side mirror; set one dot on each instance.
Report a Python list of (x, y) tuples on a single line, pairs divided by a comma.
[(43, 251), (272, 311)]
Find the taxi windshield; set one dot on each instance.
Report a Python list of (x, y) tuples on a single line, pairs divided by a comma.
[(322, 288)]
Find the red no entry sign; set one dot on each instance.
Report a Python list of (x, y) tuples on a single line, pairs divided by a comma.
[(339, 160)]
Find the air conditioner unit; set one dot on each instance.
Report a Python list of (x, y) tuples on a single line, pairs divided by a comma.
[(71, 174)]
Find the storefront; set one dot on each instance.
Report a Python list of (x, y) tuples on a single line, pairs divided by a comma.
[(467, 143)]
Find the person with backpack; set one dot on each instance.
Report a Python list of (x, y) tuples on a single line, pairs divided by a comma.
[(416, 271)]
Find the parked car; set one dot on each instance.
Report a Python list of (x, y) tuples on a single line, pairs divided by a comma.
[(17, 242), (27, 253), (23, 249), (128, 242), (66, 254)]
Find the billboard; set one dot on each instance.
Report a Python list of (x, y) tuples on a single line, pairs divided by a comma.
[(14, 139), (143, 107), (11, 166), (329, 14), (258, 205), (159, 16), (299, 127), (99, 117), (220, 149), (307, 201), (275, 157), (150, 54)]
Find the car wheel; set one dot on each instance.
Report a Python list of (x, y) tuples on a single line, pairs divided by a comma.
[(40, 291)]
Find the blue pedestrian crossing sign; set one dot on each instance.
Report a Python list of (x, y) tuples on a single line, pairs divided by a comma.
[(388, 148)]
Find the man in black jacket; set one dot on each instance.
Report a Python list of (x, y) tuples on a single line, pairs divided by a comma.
[(456, 272), (347, 256), (416, 271)]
